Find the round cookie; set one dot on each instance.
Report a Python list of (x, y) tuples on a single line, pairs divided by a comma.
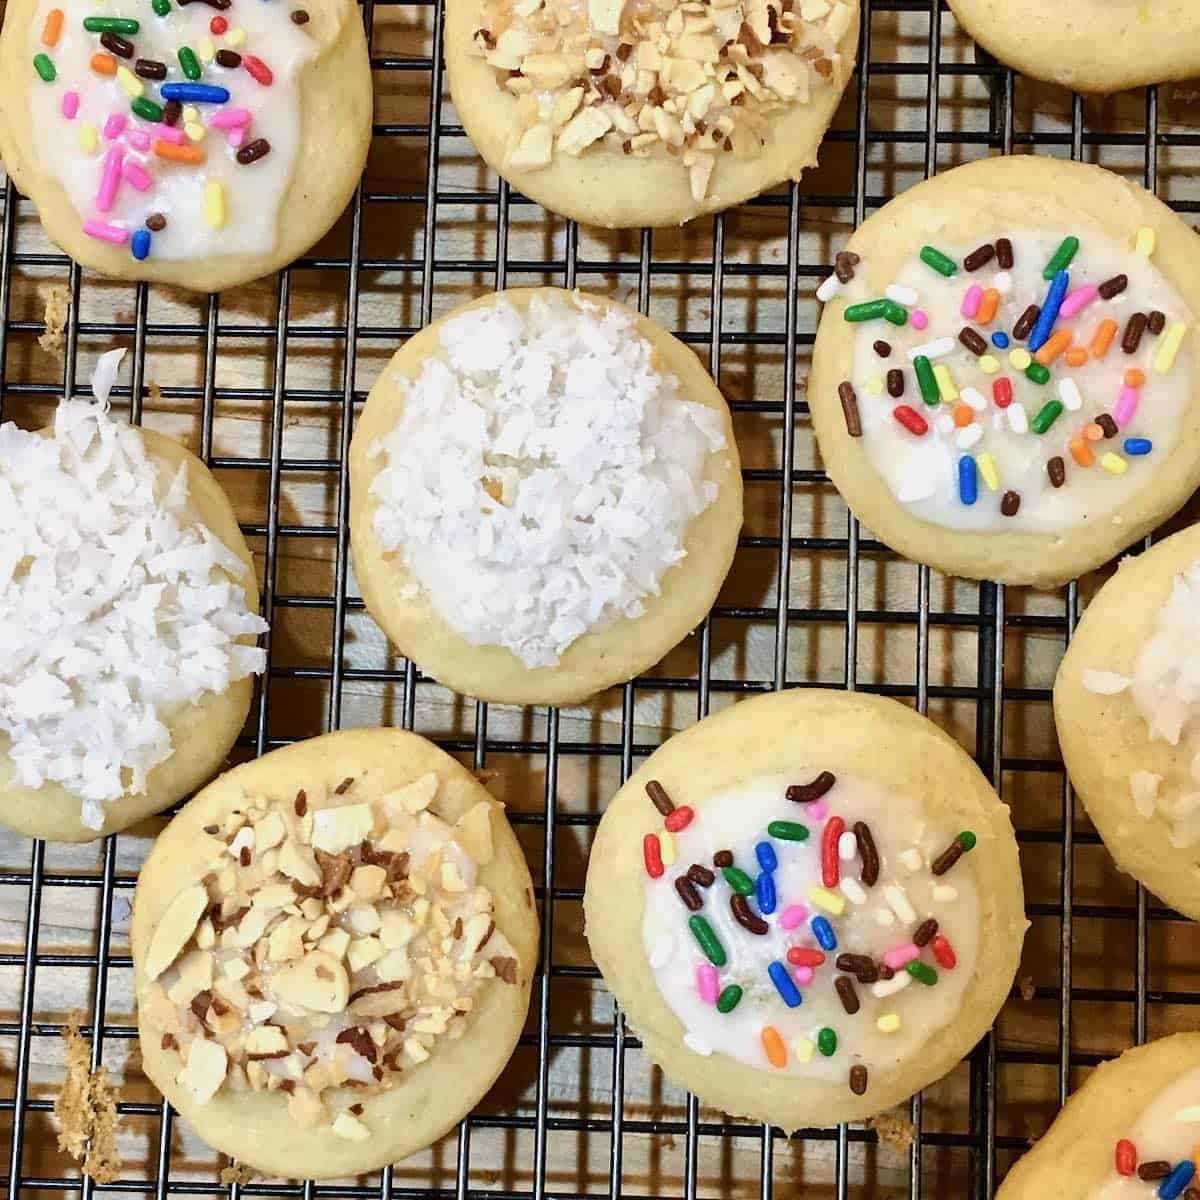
[(200, 734), (622, 83), (234, 188), (817, 837), (1127, 710), (492, 609), (1089, 45), (398, 938), (1147, 1098), (976, 433)]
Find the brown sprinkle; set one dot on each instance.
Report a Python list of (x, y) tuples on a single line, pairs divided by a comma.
[(1131, 339), (700, 874), (868, 852), (806, 793), (972, 340), (1056, 468), (251, 152), (119, 46), (980, 257), (1010, 504), (687, 893), (947, 858), (1004, 254), (895, 383), (882, 348), (850, 408), (923, 934), (858, 1079), (659, 798), (1156, 322), (1158, 1168), (150, 68), (1107, 425), (228, 58), (299, 16), (745, 916), (846, 994), (172, 111), (343, 787), (723, 858), (844, 263), (1113, 287), (1025, 322)]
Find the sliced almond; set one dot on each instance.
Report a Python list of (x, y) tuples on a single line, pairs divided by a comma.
[(395, 928), (337, 829), (363, 952), (269, 832), (414, 797), (175, 927), (298, 862), (604, 16), (274, 895), (317, 983), (473, 832), (306, 1109), (367, 882), (266, 1040), (335, 942), (204, 1069), (158, 1011), (195, 974), (347, 1126), (287, 940)]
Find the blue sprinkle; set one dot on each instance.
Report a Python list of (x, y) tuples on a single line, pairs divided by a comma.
[(765, 853), (1172, 1187), (968, 480), (1138, 446), (1040, 333), (823, 932), (764, 893), (789, 992), (139, 245), (1000, 340), (194, 93)]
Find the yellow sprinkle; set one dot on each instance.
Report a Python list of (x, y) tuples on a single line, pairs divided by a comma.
[(194, 130), (987, 468), (989, 364), (803, 1049), (190, 113), (1020, 358), (1143, 242), (831, 902), (1168, 347), (236, 37), (875, 386), (133, 86), (945, 383), (888, 1023), (88, 139), (1114, 464), (214, 213), (666, 843), (207, 50)]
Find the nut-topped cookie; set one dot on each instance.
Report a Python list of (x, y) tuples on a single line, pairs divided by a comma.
[(333, 948)]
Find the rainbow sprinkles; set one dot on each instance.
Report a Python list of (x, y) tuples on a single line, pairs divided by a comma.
[(174, 129)]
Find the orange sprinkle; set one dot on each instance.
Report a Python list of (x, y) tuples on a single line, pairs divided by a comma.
[(1196, 1153), (1056, 343), (104, 64), (1134, 378), (1076, 356), (1080, 452), (1105, 332), (773, 1045), (1093, 432), (963, 416), (181, 154), (53, 27), (988, 304)]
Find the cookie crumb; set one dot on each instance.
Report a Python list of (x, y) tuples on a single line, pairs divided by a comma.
[(57, 310), (1026, 987), (895, 1131), (86, 1108), (237, 1173)]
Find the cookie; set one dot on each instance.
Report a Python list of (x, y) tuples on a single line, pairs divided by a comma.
[(1089, 45), (808, 906), (1004, 381), (129, 625), (333, 948), (545, 496), (1127, 709), (1128, 1134), (630, 115), (199, 145)]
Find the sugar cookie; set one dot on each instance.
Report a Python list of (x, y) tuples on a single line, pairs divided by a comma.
[(638, 114), (1004, 383), (1127, 709), (333, 948), (129, 604), (545, 496), (809, 906), (202, 145)]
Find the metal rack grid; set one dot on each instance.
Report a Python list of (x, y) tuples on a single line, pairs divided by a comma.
[(906, 48)]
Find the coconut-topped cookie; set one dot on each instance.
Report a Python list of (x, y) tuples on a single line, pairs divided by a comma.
[(333, 949), (1005, 377), (642, 113), (129, 607), (1127, 709), (816, 938), (545, 496)]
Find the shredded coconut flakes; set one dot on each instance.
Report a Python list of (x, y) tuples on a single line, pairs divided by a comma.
[(118, 608), (541, 479)]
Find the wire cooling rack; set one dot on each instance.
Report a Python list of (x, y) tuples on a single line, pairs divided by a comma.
[(264, 384)]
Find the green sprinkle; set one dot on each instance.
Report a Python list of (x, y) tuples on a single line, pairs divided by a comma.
[(827, 1042), (788, 831), (739, 880), (703, 933), (188, 62), (966, 840), (124, 25), (161, 7), (897, 314), (921, 972), (146, 109), (1050, 412), (1037, 372), (940, 262), (870, 310), (926, 381), (44, 67), (729, 999), (1061, 259)]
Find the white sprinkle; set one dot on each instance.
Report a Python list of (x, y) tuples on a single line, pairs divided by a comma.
[(829, 289), (911, 859), (1144, 785), (884, 917), (974, 398), (1068, 393), (847, 846), (662, 952), (902, 295), (1002, 282), (696, 1043), (1191, 1113), (1018, 418), (938, 348), (889, 987), (853, 890), (972, 435), (944, 893), (1103, 683), (944, 424), (898, 902)]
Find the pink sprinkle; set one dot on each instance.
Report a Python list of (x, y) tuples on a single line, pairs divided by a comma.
[(817, 810), (115, 126), (229, 118), (792, 916), (169, 133), (802, 975), (919, 318), (105, 232), (139, 139), (706, 983), (70, 105), (901, 955), (970, 304), (110, 179), (1078, 300), (1127, 405), (235, 137), (134, 173)]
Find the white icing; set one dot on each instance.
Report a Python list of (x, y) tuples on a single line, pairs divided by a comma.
[(541, 479), (118, 607), (737, 820), (922, 472), (253, 193)]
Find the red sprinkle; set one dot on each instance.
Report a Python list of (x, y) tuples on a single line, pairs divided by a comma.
[(944, 953), (258, 69), (831, 870), (652, 853), (678, 818), (1126, 1157), (1002, 392), (911, 419), (804, 956), (218, 25)]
